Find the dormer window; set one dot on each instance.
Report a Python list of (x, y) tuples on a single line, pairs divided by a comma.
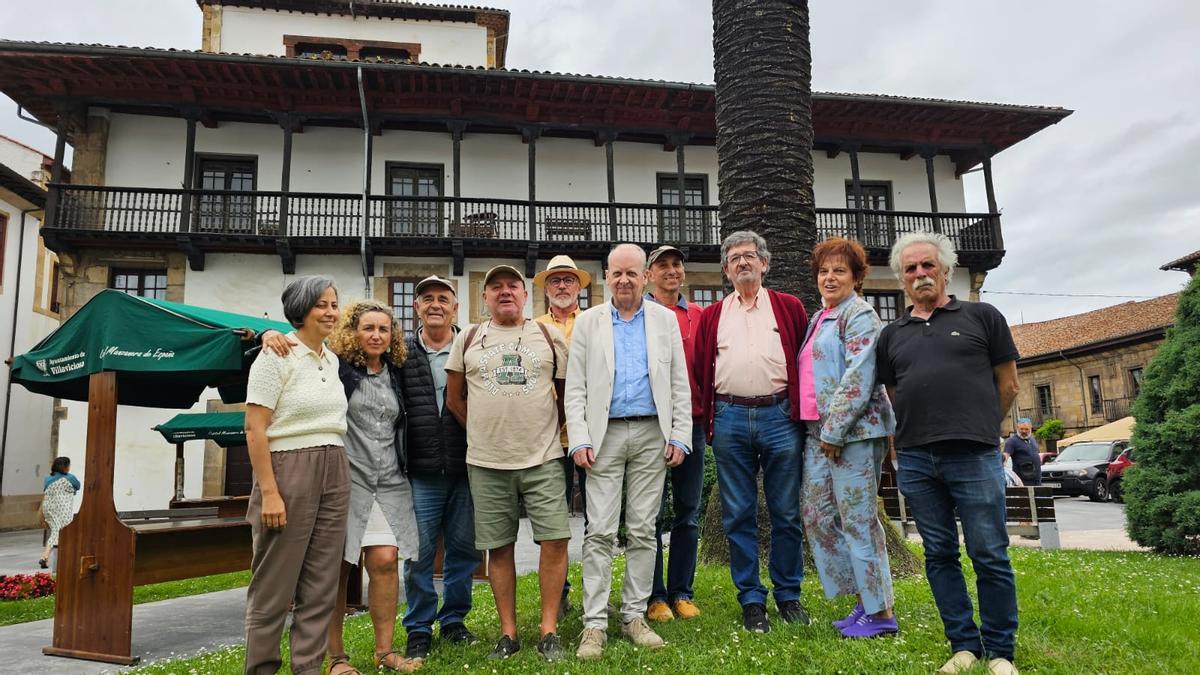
[(344, 49), (320, 50), (384, 54)]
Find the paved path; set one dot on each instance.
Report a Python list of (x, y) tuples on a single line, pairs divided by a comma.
[(168, 629)]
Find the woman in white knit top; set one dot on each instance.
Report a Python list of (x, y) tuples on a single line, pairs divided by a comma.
[(295, 419)]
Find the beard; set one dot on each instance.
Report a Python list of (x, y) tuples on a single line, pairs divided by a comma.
[(563, 302)]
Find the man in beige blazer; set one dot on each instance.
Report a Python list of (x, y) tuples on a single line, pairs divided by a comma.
[(628, 407)]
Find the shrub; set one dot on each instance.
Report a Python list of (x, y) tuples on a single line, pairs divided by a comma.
[(1162, 498), (25, 586), (1051, 430)]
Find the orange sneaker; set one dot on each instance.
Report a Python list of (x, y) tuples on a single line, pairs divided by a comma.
[(658, 611), (686, 609)]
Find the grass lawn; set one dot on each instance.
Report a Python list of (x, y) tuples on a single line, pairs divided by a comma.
[(1081, 612), (20, 611)]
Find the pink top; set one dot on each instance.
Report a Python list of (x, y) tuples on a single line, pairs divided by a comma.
[(808, 386)]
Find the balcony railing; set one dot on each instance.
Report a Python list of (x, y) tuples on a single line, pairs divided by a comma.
[(1116, 408), (1039, 414), (278, 214)]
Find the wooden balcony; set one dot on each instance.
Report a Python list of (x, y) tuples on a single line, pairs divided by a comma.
[(202, 221)]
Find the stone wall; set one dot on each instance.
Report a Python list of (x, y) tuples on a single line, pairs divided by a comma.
[(84, 273)]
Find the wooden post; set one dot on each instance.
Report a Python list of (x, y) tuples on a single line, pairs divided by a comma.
[(530, 136), (456, 136), (613, 234), (56, 172), (93, 601), (929, 154), (285, 178), (860, 225), (189, 176), (681, 185)]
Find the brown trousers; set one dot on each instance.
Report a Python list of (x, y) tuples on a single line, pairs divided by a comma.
[(299, 563)]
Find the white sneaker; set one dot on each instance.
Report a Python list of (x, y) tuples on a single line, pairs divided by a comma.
[(959, 662), (1001, 667)]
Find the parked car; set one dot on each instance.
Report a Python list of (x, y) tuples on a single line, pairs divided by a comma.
[(1082, 469), (1115, 471)]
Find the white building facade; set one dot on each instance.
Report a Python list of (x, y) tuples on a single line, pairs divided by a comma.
[(29, 312), (215, 177)]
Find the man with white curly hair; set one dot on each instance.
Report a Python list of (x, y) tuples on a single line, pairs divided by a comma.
[(950, 370)]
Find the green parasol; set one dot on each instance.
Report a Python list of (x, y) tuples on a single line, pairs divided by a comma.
[(225, 428), (164, 353)]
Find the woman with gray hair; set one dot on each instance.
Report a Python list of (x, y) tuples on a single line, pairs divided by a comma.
[(382, 526), (295, 419)]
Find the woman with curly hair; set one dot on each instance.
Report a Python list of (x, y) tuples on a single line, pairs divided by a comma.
[(369, 343)]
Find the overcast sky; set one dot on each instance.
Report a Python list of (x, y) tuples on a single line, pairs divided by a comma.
[(1093, 205)]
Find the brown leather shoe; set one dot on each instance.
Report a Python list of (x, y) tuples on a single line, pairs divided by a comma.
[(686, 609), (658, 611)]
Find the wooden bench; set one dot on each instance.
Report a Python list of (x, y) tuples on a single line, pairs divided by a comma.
[(568, 229), (182, 543), (475, 226), (1029, 513)]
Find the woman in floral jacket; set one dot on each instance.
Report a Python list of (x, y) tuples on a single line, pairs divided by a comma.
[(849, 419)]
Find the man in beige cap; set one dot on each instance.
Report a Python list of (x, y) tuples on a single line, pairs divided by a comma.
[(562, 282), (504, 383)]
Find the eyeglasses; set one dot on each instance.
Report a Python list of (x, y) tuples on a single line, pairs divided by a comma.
[(748, 256), (564, 280)]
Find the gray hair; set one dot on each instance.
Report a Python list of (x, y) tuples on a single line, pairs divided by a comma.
[(632, 247), (302, 295), (745, 237), (947, 258)]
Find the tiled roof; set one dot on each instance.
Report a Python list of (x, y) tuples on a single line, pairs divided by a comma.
[(1089, 328), (1185, 264)]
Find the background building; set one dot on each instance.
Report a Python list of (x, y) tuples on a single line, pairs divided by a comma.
[(28, 311), (320, 136), (1086, 369)]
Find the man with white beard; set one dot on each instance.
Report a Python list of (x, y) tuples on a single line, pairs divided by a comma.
[(562, 282)]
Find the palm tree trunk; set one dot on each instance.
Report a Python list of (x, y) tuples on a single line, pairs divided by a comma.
[(763, 64)]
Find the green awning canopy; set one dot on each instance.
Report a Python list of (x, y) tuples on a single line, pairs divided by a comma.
[(164, 353), (226, 428)]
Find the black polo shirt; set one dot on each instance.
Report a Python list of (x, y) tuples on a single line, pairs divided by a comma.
[(942, 370)]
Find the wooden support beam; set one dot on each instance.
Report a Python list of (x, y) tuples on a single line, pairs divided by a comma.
[(610, 175), (285, 179), (928, 154), (457, 129), (56, 172), (93, 616), (530, 135), (856, 186)]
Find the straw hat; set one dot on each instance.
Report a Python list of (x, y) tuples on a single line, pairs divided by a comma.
[(562, 263)]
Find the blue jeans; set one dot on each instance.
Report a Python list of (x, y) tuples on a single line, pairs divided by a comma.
[(687, 482), (746, 439), (971, 482), (443, 507)]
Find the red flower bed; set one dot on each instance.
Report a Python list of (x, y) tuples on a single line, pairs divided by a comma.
[(25, 586)]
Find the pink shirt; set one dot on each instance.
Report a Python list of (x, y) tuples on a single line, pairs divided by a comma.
[(808, 385), (750, 358)]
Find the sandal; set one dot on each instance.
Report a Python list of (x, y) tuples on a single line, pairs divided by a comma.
[(404, 665), (341, 660)]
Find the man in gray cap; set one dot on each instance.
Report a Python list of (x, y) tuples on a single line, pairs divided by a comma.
[(505, 385), (437, 470)]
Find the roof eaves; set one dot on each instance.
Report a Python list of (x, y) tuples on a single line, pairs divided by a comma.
[(123, 50), (1185, 264), (22, 187)]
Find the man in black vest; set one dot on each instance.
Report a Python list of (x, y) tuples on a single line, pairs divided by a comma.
[(437, 470)]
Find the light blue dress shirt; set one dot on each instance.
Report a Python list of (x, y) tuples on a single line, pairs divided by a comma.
[(631, 395)]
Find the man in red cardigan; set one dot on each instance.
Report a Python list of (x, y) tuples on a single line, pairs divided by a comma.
[(746, 372)]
